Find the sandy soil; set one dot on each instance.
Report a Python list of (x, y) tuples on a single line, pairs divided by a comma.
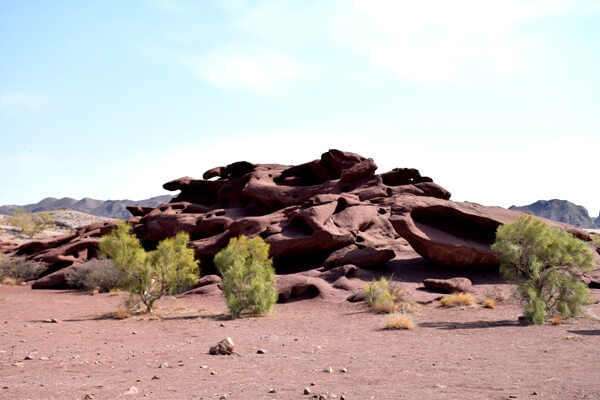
[(457, 353)]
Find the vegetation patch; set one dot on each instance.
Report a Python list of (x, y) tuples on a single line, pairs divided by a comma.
[(398, 320), (248, 276), (457, 300), (385, 297), (546, 264)]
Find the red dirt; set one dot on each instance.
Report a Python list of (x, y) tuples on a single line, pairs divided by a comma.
[(457, 353)]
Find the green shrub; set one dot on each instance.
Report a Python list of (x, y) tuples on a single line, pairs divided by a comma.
[(20, 269), (100, 275), (150, 275), (383, 297), (31, 223), (545, 263), (248, 276)]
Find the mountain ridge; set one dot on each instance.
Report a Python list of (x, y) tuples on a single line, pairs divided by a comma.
[(561, 211), (101, 208)]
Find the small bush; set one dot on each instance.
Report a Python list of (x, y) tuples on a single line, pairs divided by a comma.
[(383, 297), (31, 223), (546, 264), (457, 300), (494, 294), (248, 276), (98, 275), (489, 303), (21, 269), (7, 280), (398, 320), (122, 313), (557, 320)]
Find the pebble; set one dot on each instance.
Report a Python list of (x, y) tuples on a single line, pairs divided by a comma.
[(163, 365), (271, 390), (204, 366), (132, 390), (88, 396), (155, 377), (306, 390), (29, 357), (261, 351), (329, 370), (344, 370)]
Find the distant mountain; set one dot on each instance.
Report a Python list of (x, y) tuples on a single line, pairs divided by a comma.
[(562, 211), (100, 208)]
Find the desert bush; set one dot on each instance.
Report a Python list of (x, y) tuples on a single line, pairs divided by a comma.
[(457, 300), (31, 223), (545, 263), (595, 239), (248, 276), (96, 274), (20, 269), (489, 303), (150, 275), (383, 297), (398, 320)]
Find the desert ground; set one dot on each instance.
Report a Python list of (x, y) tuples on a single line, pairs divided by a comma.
[(66, 345)]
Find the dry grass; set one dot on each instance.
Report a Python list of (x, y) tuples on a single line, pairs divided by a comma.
[(10, 281), (398, 320), (457, 299), (122, 313), (556, 320), (489, 303), (384, 296)]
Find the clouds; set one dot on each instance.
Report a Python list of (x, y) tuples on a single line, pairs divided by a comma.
[(248, 67)]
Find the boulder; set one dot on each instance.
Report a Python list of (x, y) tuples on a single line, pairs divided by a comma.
[(224, 347), (449, 285)]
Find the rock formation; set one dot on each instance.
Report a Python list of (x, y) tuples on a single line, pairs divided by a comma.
[(562, 211), (331, 212)]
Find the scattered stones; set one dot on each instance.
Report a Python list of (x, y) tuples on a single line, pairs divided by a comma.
[(306, 390), (224, 347)]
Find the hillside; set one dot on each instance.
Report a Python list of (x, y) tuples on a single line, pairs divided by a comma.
[(561, 211), (101, 208)]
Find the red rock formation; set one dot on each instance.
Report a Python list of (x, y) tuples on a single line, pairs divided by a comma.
[(332, 211)]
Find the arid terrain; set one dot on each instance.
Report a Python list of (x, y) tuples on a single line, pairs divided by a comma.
[(452, 353)]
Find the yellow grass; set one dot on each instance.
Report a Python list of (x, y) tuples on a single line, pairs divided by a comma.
[(556, 320), (489, 303), (457, 299), (398, 320), (7, 280), (121, 313)]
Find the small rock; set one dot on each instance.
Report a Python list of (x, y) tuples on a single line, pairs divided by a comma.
[(342, 397), (261, 351), (224, 397), (88, 396), (306, 390), (155, 377), (131, 390), (51, 321), (312, 384), (213, 373), (534, 393), (512, 396), (204, 366), (44, 358), (163, 365), (134, 333), (329, 370), (222, 325), (224, 347), (271, 390), (29, 357), (344, 370)]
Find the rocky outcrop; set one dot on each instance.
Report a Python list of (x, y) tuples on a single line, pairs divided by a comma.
[(561, 211), (331, 212), (451, 285)]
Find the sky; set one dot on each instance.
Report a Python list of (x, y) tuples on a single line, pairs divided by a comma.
[(497, 101)]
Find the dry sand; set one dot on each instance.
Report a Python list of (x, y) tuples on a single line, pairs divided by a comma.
[(456, 353)]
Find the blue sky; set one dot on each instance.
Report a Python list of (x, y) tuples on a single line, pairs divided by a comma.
[(498, 101)]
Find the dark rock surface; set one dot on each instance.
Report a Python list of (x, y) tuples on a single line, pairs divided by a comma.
[(451, 285), (561, 211)]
